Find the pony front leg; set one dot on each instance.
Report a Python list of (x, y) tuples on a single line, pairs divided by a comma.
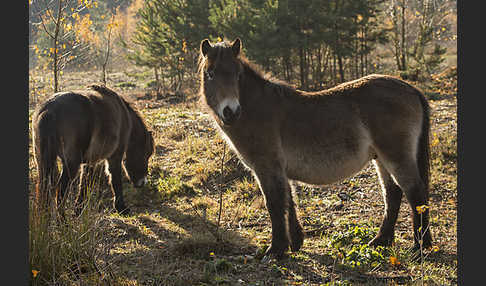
[(115, 169), (276, 190), (296, 231)]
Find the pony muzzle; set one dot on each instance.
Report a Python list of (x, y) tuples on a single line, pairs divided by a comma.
[(230, 116), (141, 182), (229, 111)]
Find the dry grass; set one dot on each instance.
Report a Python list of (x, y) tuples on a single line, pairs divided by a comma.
[(172, 237)]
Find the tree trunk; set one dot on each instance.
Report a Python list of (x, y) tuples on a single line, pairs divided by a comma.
[(341, 68), (302, 63), (334, 71), (107, 55), (318, 78), (403, 51), (56, 36)]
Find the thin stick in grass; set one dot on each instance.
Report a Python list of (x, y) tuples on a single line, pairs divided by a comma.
[(221, 186)]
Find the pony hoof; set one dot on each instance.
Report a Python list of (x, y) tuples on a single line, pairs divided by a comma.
[(266, 259), (269, 258), (297, 242), (425, 245), (124, 211), (272, 254), (381, 241)]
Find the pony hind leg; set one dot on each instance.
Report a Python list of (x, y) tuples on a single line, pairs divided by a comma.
[(407, 176), (88, 178), (392, 197), (70, 169)]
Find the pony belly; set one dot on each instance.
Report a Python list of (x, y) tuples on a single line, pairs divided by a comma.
[(326, 168), (101, 148)]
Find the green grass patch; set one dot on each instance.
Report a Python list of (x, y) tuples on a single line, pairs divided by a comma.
[(126, 85), (170, 187), (351, 248)]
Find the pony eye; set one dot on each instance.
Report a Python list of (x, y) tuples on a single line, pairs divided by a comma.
[(210, 74)]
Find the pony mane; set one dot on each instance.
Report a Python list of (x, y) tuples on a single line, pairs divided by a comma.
[(267, 79)]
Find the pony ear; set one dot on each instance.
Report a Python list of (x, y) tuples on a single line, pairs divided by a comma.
[(236, 47), (205, 47)]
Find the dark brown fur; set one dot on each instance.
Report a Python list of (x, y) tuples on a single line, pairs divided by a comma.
[(283, 134), (86, 127)]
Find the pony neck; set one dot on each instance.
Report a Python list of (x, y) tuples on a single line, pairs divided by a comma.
[(255, 84)]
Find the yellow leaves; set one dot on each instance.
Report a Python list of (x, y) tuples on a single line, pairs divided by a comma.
[(84, 32), (68, 27), (451, 201), (394, 261), (88, 3), (435, 140), (200, 170), (35, 272), (421, 209), (112, 24), (184, 46), (35, 48), (219, 39)]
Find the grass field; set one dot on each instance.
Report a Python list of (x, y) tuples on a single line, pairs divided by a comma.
[(176, 235)]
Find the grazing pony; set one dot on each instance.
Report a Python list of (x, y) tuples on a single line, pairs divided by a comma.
[(282, 133), (86, 127)]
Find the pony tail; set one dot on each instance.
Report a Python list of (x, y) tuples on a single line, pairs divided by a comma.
[(423, 154), (46, 147)]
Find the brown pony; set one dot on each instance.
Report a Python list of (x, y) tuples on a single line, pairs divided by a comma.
[(283, 134), (86, 127)]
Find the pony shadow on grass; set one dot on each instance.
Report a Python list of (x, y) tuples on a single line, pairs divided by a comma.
[(188, 232), (159, 237), (169, 246)]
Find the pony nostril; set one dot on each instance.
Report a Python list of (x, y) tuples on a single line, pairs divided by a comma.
[(238, 111), (141, 182), (227, 113)]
